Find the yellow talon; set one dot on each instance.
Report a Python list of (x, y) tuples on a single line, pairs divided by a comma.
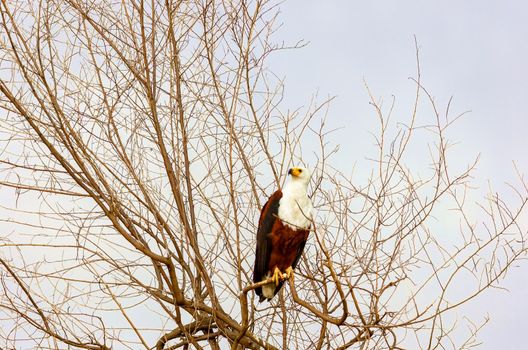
[(277, 276), (289, 272)]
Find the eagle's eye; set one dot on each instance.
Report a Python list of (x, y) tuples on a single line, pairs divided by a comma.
[(300, 171)]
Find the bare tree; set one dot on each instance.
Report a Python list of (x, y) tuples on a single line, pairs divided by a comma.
[(139, 141)]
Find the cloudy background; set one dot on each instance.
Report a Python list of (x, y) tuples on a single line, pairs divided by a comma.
[(473, 51)]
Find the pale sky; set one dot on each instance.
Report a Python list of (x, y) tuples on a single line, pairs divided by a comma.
[(474, 51)]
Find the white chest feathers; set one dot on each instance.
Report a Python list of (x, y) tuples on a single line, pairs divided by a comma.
[(295, 208)]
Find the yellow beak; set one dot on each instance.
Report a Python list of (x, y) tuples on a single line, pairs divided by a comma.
[(295, 172)]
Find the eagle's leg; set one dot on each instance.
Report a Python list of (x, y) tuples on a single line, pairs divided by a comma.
[(289, 273), (277, 276)]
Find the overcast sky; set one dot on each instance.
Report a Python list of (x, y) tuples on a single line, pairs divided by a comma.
[(473, 51)]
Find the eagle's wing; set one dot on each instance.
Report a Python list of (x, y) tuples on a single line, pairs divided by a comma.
[(268, 215)]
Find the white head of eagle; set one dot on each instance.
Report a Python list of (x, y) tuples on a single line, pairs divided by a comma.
[(283, 229)]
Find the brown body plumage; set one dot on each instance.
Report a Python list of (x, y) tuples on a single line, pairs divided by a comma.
[(286, 246)]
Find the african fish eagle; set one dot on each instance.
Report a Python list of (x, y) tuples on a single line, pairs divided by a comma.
[(283, 229)]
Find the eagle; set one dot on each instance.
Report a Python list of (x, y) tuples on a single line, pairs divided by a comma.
[(283, 229)]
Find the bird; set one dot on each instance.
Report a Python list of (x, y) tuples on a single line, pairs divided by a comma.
[(283, 229)]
